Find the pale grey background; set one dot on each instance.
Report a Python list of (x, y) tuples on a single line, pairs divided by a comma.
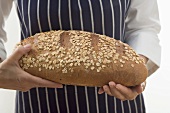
[(157, 93)]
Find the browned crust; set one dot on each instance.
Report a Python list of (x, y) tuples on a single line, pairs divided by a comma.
[(82, 58)]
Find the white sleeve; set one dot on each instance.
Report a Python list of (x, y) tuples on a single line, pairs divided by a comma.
[(5, 8), (142, 27)]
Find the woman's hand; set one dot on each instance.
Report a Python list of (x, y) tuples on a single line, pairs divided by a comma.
[(121, 92), (13, 77)]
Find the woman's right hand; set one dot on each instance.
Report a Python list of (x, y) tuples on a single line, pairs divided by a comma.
[(13, 77)]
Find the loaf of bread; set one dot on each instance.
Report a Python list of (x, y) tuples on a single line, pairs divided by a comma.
[(82, 58)]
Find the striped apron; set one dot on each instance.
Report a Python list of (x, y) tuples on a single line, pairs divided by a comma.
[(100, 16)]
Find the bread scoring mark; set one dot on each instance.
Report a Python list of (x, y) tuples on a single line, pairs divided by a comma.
[(65, 40), (94, 41)]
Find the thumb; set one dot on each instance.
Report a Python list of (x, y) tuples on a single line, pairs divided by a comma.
[(19, 52), (139, 89)]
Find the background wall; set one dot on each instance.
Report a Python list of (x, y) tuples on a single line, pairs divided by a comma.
[(157, 92)]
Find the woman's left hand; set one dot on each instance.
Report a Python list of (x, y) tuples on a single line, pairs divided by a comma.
[(122, 92)]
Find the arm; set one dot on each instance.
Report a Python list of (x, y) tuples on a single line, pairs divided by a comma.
[(5, 8), (142, 27)]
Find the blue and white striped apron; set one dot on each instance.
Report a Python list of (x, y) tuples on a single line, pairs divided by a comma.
[(99, 16)]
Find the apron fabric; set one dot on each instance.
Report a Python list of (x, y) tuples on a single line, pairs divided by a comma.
[(99, 16)]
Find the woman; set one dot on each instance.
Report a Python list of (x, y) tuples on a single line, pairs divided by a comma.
[(134, 22)]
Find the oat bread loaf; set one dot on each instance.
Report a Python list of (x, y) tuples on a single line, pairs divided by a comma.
[(82, 58)]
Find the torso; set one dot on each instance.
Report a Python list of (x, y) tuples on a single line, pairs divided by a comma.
[(100, 16)]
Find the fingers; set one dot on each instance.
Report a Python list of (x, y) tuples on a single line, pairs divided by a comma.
[(120, 91), (36, 82), (128, 93), (40, 82), (46, 83), (113, 91), (101, 90), (139, 89), (19, 52), (107, 90)]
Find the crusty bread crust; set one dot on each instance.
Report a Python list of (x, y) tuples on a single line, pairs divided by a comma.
[(82, 58)]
